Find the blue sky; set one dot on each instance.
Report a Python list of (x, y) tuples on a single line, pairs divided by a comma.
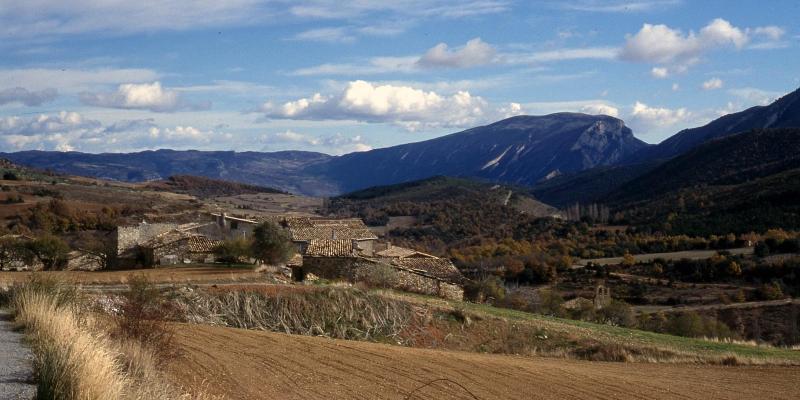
[(335, 77)]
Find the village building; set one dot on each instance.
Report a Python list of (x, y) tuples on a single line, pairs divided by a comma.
[(348, 249), (147, 244)]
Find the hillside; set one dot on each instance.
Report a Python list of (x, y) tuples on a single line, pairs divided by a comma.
[(753, 206), (202, 187), (783, 113), (589, 186), (443, 211), (281, 170), (519, 150), (726, 161)]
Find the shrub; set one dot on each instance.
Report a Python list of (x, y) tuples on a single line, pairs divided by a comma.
[(143, 317), (272, 244), (233, 250), (487, 289)]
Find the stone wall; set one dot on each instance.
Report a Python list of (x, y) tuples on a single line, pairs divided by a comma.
[(128, 237), (351, 268)]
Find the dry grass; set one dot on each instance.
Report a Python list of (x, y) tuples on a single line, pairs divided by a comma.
[(71, 361), (337, 313), (76, 359)]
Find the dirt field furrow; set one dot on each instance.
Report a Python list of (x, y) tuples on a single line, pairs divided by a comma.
[(242, 364)]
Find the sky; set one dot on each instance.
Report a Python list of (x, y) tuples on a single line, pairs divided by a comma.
[(341, 76)]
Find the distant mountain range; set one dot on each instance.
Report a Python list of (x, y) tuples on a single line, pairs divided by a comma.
[(568, 157)]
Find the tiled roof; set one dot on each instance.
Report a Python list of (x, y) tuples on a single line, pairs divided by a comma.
[(440, 268), (401, 252), (195, 243), (330, 231), (329, 248), (201, 244)]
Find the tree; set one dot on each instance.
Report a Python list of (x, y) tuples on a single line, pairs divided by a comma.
[(234, 250), (271, 244), (50, 250)]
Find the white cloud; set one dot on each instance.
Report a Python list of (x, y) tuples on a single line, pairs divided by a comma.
[(65, 131), (328, 35), (676, 87), (27, 97), (403, 105), (600, 109), (145, 96), (712, 84), (659, 72), (75, 80), (661, 44), (771, 32), (474, 53), (334, 144), (650, 117)]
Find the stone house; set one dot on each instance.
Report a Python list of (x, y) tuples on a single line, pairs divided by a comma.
[(176, 247), (147, 244)]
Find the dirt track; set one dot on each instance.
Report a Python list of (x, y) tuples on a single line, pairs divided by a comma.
[(245, 364)]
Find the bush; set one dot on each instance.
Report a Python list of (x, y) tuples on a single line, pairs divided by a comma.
[(143, 317), (234, 250), (488, 289), (272, 244)]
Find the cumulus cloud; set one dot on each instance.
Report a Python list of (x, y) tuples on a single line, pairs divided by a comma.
[(363, 101), (145, 96), (600, 109), (675, 50), (712, 84), (475, 52), (65, 131), (27, 97), (661, 44), (657, 116)]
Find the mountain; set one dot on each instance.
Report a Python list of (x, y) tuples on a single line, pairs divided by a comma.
[(519, 150), (282, 170), (783, 113)]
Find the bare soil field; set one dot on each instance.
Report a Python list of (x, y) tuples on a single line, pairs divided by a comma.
[(242, 364), (267, 204), (178, 274)]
